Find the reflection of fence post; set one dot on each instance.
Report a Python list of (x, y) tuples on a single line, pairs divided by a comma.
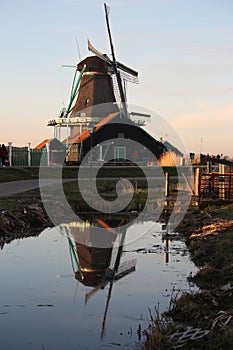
[(10, 153), (29, 154), (166, 250), (221, 181)]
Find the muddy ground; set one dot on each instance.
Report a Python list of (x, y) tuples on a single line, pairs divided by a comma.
[(22, 216)]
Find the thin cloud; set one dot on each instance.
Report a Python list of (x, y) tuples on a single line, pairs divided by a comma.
[(213, 125)]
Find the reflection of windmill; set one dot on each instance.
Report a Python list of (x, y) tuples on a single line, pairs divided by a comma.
[(98, 266)]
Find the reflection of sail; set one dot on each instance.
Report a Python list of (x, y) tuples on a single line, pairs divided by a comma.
[(72, 249), (93, 247)]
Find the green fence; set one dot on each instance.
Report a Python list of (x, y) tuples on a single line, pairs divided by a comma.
[(20, 156), (37, 159)]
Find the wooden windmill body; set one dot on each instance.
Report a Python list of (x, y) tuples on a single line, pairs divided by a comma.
[(96, 97)]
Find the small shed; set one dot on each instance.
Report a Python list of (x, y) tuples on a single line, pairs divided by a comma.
[(55, 151)]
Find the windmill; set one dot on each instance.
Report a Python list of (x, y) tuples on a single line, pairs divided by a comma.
[(97, 91), (121, 71)]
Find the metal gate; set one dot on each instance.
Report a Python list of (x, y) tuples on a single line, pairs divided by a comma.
[(215, 188)]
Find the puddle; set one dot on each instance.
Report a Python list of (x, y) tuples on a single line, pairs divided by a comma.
[(58, 291)]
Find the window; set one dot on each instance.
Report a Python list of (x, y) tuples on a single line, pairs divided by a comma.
[(120, 135)]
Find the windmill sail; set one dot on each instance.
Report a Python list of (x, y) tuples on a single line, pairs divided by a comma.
[(116, 91), (127, 69), (98, 53), (128, 77), (126, 73)]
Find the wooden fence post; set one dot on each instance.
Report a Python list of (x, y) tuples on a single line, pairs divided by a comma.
[(29, 154), (209, 167), (10, 153), (196, 181), (48, 156), (221, 181), (230, 187)]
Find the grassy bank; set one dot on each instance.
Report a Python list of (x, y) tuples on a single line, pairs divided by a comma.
[(23, 213), (16, 210), (25, 173), (18, 173)]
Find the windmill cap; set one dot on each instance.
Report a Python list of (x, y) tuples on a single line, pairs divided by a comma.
[(93, 64)]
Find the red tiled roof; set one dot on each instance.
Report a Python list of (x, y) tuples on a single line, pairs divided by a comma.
[(86, 133), (42, 144)]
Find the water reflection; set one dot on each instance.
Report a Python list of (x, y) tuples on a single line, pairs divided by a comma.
[(115, 290), (96, 248), (95, 251)]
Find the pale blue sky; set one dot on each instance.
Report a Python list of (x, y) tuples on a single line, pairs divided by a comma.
[(182, 49)]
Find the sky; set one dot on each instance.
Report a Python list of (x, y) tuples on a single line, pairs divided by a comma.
[(183, 51)]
